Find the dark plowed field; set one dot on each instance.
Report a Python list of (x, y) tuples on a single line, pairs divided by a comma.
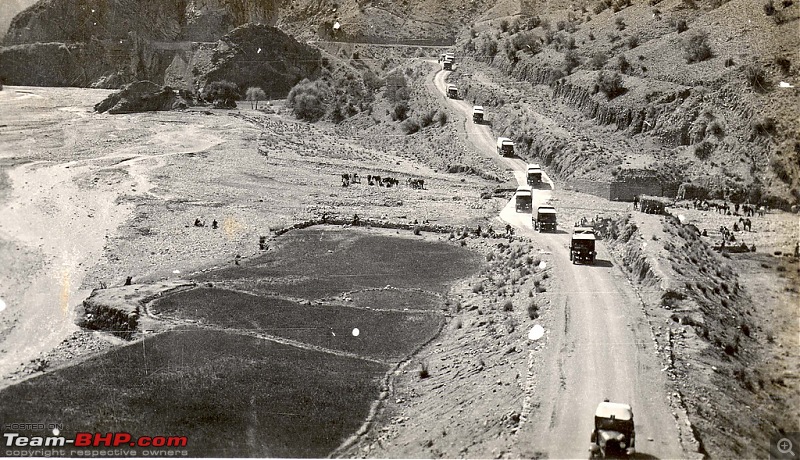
[(381, 334), (231, 395), (325, 261)]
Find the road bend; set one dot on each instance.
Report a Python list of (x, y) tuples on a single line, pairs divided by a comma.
[(600, 344)]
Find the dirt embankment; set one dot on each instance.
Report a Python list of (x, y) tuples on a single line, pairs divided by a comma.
[(730, 358)]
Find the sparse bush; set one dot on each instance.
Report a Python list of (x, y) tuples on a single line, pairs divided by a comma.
[(417, 230), (610, 84), (703, 150), (783, 64), (427, 118), (423, 370), (508, 306), (442, 118), (769, 8), (633, 41), (533, 310), (598, 60), (756, 78), (680, 26), (782, 173), (396, 88), (762, 127), (410, 126), (620, 23), (400, 111), (622, 64), (571, 60), (729, 62), (503, 26), (715, 128), (696, 48)]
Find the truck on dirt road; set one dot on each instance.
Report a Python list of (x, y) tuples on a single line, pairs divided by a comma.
[(452, 91), (477, 114), (582, 245), (543, 219), (534, 175), (505, 146), (523, 199), (613, 435)]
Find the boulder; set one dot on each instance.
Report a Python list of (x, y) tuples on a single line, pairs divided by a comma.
[(140, 96)]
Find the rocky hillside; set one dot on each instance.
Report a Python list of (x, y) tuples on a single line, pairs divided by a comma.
[(703, 89)]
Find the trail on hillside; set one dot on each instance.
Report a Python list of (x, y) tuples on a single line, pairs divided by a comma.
[(600, 342)]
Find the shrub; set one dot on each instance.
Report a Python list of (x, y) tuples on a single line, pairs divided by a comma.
[(417, 230), (221, 93), (533, 310), (442, 118), (762, 127), (400, 111), (571, 60), (396, 87), (598, 60), (680, 26), (756, 78), (610, 84), (784, 64), (410, 126), (508, 306), (622, 64), (504, 25), (620, 23), (729, 62), (427, 118), (423, 370), (633, 41), (309, 100), (769, 8), (716, 129), (697, 49)]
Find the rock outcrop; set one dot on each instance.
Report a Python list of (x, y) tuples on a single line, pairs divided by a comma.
[(141, 96)]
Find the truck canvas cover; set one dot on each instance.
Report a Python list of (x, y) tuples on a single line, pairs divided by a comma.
[(616, 410)]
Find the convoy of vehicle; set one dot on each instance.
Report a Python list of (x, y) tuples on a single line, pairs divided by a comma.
[(524, 199), (505, 146), (543, 219), (477, 114), (534, 175), (452, 91), (613, 435), (582, 245)]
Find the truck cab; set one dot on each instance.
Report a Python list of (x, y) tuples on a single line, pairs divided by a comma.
[(505, 146), (534, 175), (544, 219), (477, 114), (452, 91), (582, 246), (524, 199)]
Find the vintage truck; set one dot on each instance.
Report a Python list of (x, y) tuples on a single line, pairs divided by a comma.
[(523, 199), (582, 245), (534, 175), (613, 435), (452, 91), (543, 219), (505, 146), (477, 114)]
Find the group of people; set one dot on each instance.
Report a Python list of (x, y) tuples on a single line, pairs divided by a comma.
[(202, 223)]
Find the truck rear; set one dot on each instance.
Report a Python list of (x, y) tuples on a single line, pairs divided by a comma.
[(523, 199), (452, 91), (534, 175), (477, 114), (544, 219), (505, 146)]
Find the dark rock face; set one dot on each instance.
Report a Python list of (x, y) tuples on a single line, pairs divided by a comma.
[(141, 96)]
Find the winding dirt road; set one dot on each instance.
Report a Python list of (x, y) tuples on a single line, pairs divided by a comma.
[(600, 344)]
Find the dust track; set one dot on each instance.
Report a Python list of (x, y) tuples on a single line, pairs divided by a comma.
[(600, 343)]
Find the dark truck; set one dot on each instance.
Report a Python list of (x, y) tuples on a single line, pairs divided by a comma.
[(524, 199), (477, 114), (544, 219), (613, 435), (534, 175), (505, 146), (452, 91), (581, 247)]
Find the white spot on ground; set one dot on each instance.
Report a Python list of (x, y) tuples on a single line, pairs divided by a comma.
[(176, 272), (681, 218), (536, 333), (356, 332), (2, 305), (542, 265)]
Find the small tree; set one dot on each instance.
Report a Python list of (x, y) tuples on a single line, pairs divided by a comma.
[(696, 48), (571, 60), (610, 84), (222, 94), (254, 94)]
